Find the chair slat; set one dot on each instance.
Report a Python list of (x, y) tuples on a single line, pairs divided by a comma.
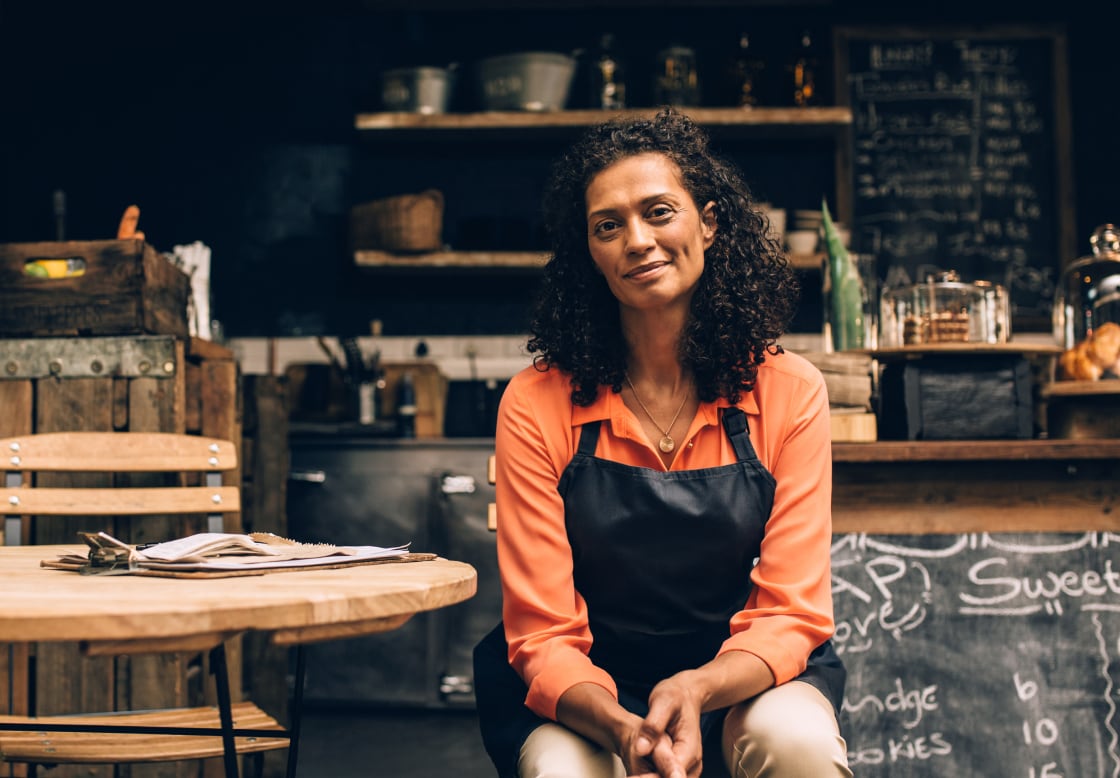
[(119, 501), (131, 452), (99, 748)]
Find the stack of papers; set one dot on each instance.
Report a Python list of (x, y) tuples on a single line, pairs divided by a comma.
[(212, 551)]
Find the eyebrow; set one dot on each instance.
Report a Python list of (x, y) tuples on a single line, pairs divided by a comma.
[(644, 201)]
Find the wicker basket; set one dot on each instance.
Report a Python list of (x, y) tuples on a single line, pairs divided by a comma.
[(404, 223)]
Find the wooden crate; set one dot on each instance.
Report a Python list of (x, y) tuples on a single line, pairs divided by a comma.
[(126, 287), (143, 383), (965, 396), (1083, 409)]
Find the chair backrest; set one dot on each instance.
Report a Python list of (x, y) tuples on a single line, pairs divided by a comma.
[(25, 457)]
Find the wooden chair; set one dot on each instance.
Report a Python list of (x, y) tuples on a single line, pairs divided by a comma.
[(174, 481)]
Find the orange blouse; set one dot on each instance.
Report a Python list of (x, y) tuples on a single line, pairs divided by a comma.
[(789, 610)]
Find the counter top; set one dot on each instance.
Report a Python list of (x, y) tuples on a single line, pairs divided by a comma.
[(925, 487)]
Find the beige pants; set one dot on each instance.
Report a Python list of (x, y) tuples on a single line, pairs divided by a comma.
[(785, 732)]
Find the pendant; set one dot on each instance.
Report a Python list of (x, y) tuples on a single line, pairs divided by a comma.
[(666, 444)]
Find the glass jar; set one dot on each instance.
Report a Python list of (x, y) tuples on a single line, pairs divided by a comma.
[(675, 82), (1089, 292), (944, 310)]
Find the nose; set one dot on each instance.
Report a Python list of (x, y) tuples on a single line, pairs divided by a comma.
[(639, 237)]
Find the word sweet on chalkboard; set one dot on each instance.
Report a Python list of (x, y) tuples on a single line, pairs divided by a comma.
[(960, 155), (980, 656)]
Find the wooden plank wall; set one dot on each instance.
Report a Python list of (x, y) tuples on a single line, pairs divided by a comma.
[(15, 419), (202, 398)]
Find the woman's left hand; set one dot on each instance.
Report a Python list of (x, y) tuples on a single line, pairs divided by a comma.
[(673, 723)]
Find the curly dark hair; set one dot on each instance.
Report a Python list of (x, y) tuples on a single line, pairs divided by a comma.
[(746, 296)]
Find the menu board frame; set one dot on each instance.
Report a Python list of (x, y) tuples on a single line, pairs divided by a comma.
[(1039, 266)]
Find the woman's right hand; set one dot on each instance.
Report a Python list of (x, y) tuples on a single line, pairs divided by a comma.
[(593, 712), (669, 738), (644, 758)]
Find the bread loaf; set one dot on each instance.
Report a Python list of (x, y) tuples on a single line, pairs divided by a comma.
[(1098, 356)]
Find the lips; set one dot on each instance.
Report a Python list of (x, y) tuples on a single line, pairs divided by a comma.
[(645, 269)]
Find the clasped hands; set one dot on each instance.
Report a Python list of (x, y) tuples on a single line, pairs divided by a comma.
[(667, 743)]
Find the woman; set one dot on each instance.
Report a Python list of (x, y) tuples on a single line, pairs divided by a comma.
[(663, 488)]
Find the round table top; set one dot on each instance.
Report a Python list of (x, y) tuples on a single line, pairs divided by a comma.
[(40, 604)]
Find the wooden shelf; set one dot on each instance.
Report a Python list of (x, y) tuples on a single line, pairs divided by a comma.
[(899, 451), (383, 261), (1107, 386), (823, 120), (902, 353), (450, 260)]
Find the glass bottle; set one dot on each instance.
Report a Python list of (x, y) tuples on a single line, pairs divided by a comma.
[(1089, 292), (676, 81), (745, 74), (803, 72), (608, 77)]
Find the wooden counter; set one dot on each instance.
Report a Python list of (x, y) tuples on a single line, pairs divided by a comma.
[(949, 487)]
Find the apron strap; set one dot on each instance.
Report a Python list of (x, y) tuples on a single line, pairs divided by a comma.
[(735, 422), (589, 438)]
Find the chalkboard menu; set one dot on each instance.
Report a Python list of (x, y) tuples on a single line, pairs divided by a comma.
[(959, 155), (980, 656)]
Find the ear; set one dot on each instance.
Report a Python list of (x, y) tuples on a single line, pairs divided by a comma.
[(708, 223)]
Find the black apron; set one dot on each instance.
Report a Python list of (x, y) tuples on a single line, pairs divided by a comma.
[(663, 561)]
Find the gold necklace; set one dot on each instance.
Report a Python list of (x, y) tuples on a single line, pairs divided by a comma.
[(666, 443)]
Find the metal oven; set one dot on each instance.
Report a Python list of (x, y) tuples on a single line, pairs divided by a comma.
[(350, 489)]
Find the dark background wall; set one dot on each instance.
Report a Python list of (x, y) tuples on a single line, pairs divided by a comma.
[(234, 125)]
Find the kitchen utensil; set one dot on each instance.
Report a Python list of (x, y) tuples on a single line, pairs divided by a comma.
[(355, 362), (527, 81), (127, 228), (335, 363), (802, 241), (424, 90)]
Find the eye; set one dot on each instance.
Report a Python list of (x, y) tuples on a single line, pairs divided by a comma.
[(661, 212), (605, 228)]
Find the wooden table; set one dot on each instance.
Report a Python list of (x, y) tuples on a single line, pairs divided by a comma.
[(123, 614)]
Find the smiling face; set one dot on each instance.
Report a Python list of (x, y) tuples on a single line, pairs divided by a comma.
[(645, 234)]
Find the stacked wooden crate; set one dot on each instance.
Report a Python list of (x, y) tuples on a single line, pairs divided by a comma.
[(108, 350), (849, 377)]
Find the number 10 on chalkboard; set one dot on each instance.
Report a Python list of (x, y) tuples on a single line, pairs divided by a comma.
[(1040, 731)]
